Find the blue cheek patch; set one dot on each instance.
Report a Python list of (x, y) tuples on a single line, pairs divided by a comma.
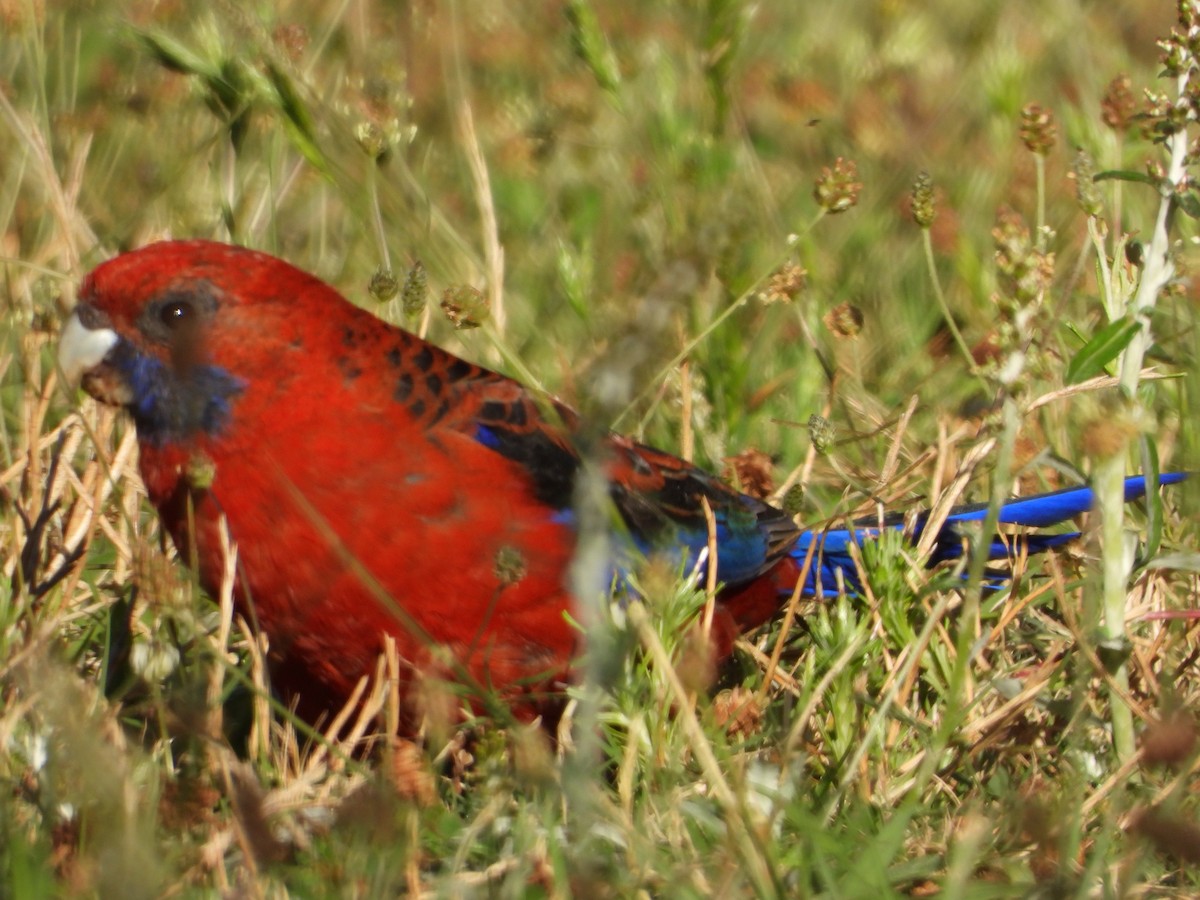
[(169, 406), (146, 378)]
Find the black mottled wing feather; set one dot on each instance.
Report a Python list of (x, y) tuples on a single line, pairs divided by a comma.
[(658, 496)]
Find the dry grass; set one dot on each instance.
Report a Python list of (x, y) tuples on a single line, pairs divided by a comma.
[(620, 184)]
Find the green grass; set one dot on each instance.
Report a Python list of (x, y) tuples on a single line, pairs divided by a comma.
[(621, 182)]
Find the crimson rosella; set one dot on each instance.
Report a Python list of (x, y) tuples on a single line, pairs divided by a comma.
[(375, 484)]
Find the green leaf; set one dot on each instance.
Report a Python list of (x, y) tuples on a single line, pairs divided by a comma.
[(1102, 349), (1189, 203), (1178, 562), (591, 46), (175, 56), (1127, 175), (1154, 505), (297, 120)]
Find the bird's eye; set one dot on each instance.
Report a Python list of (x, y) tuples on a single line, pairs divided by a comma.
[(176, 313), (179, 313)]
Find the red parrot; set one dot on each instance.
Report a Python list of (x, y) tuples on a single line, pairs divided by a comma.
[(375, 484)]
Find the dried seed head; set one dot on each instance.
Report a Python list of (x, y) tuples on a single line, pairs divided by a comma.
[(1109, 434), (1169, 742), (785, 284), (464, 306), (844, 321), (1025, 272), (752, 472), (383, 285), (821, 433), (410, 773), (1016, 345), (837, 189), (381, 97), (1038, 131), (1087, 194), (739, 711), (200, 472), (371, 139), (1118, 105), (1171, 834), (416, 288), (923, 209), (509, 565), (793, 500), (292, 39)]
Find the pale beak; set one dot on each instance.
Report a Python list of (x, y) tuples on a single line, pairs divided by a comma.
[(82, 348)]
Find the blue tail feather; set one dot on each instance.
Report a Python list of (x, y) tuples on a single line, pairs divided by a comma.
[(1058, 506), (832, 553)]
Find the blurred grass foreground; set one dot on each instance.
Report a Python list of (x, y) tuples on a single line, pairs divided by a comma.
[(843, 253)]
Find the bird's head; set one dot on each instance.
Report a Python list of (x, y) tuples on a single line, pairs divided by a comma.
[(176, 332)]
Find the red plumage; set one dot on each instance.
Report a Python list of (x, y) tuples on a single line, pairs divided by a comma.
[(377, 485), (322, 474)]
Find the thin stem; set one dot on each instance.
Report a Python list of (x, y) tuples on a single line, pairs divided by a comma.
[(969, 614), (690, 346), (939, 295), (1106, 283), (753, 854), (1039, 162), (385, 258)]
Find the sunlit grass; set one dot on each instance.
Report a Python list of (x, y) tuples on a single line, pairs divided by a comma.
[(621, 183)]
